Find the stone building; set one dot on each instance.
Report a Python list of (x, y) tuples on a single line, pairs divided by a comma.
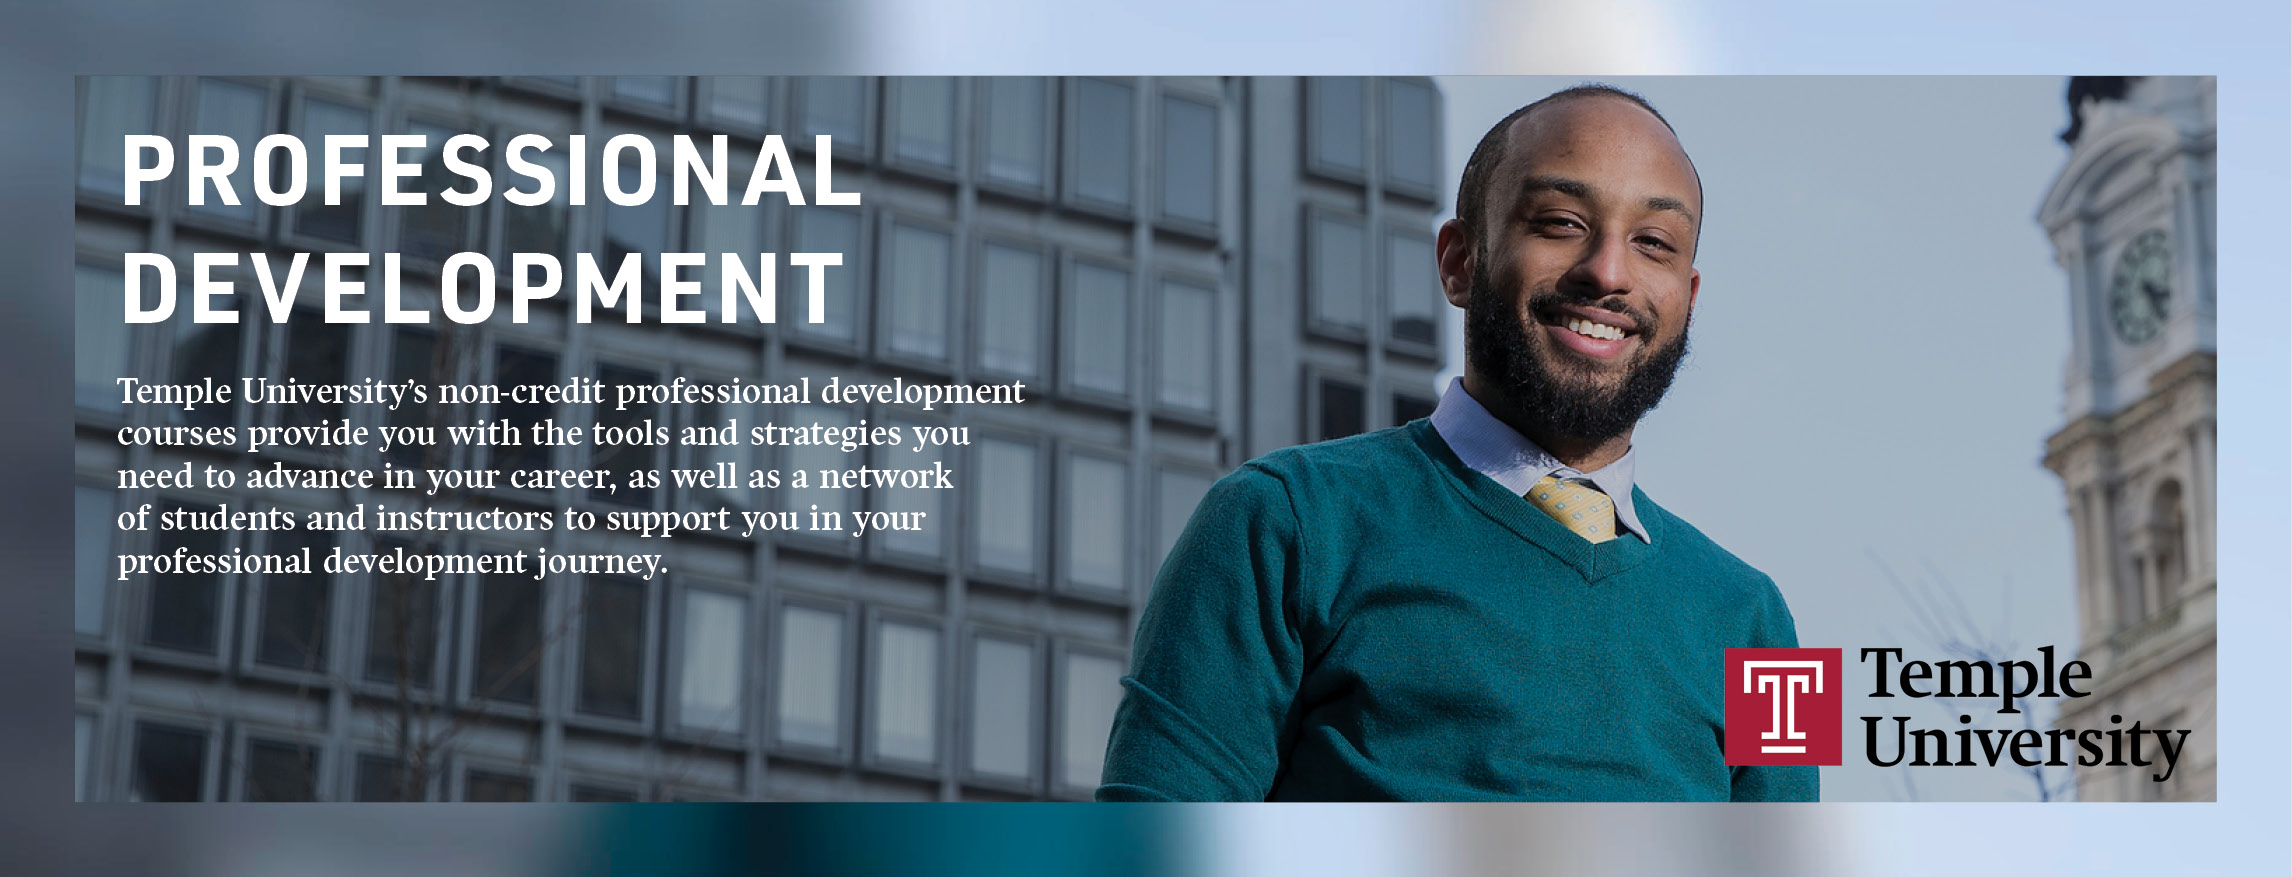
[(2132, 222)]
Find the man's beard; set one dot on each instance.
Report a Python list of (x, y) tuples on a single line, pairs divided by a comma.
[(1497, 346)]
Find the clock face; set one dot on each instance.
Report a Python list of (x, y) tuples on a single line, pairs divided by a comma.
[(2142, 289)]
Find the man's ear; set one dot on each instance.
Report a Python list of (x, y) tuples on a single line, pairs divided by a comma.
[(1694, 285), (1456, 250)]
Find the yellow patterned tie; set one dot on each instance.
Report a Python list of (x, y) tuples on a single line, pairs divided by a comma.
[(1579, 506)]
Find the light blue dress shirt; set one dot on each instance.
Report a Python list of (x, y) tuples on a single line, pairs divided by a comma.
[(1510, 459)]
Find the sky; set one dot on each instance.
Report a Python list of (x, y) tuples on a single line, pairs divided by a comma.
[(1876, 361)]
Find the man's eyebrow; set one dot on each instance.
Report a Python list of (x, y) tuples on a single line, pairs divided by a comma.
[(1562, 185), (1661, 202), (1580, 189)]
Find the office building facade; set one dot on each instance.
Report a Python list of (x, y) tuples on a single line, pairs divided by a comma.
[(1185, 272)]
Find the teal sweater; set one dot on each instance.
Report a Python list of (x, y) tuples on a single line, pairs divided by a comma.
[(1371, 619)]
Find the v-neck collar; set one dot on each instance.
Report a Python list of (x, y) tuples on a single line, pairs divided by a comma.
[(1595, 562)]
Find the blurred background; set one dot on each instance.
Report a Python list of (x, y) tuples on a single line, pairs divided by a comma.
[(1190, 272)]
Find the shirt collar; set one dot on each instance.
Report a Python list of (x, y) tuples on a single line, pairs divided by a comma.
[(1504, 455)]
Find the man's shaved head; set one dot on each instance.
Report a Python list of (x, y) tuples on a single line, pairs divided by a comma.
[(1472, 190)]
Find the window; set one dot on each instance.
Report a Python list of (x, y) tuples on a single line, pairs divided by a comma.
[(811, 460), (1097, 496), (828, 230), (517, 367), (540, 228), (186, 608), (414, 357), (170, 763), (737, 230), (1338, 262), (1004, 692), (568, 87), (742, 456), (919, 509), (713, 662), (837, 106), (1098, 324), (1005, 505), (1337, 110), (1340, 411), (1090, 689), (739, 454), (337, 222), (402, 626), (919, 261), (740, 100), (238, 112), (642, 229), (811, 683), (384, 778), (1409, 406), (202, 350), (436, 229), (490, 786), (1176, 493), (83, 747), (508, 645), (613, 621), (1101, 151), (291, 631), (906, 685), (1185, 362), (280, 771), (1011, 306), (1412, 292), (1412, 135), (2168, 534), (116, 107), (100, 335), (1189, 161), (92, 563), (584, 793), (656, 90), (1017, 128), (317, 354), (923, 120), (628, 456)]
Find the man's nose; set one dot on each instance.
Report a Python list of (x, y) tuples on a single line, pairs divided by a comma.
[(1605, 268)]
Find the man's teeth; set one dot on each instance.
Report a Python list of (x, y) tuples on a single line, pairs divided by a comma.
[(1590, 329)]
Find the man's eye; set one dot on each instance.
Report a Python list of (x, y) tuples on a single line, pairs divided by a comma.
[(1553, 223), (1656, 242)]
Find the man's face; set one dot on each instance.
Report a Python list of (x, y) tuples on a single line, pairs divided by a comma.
[(1578, 282)]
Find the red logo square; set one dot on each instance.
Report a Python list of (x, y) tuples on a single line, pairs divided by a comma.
[(1784, 707)]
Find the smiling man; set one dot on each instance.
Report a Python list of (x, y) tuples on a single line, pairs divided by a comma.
[(1481, 604)]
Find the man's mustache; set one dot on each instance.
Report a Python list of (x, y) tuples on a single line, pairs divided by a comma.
[(1546, 306)]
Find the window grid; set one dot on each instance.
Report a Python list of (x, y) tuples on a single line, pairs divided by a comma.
[(283, 105)]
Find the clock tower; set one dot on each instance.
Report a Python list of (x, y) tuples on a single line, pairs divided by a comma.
[(2131, 218)]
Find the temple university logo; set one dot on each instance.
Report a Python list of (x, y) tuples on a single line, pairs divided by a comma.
[(1783, 707)]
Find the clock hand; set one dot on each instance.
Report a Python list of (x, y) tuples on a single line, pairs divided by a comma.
[(2157, 295)]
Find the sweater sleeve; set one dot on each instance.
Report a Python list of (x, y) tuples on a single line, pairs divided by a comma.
[(1776, 631), (1208, 706)]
